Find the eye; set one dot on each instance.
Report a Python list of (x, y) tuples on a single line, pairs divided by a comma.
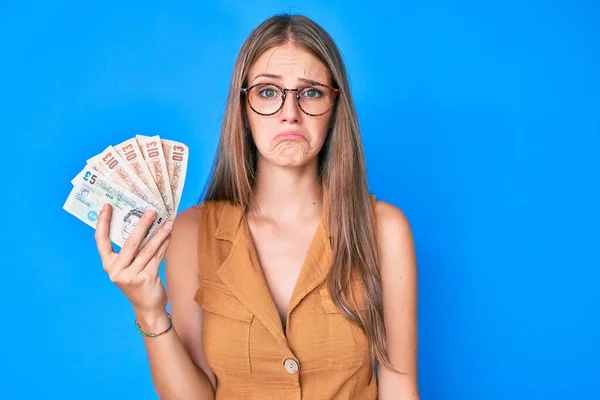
[(268, 92), (312, 93)]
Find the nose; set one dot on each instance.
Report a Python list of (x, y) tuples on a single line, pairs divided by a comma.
[(290, 111)]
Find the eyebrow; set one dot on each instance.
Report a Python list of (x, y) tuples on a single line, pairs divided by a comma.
[(273, 76)]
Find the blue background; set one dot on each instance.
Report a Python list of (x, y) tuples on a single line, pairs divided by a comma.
[(480, 120)]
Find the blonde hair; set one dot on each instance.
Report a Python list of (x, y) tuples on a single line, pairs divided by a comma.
[(342, 170)]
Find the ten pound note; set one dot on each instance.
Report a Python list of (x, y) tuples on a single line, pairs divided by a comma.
[(92, 190), (152, 150), (176, 157)]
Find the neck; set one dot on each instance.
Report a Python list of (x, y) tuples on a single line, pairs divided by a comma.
[(288, 194)]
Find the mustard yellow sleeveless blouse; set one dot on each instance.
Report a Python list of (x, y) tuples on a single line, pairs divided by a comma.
[(321, 355)]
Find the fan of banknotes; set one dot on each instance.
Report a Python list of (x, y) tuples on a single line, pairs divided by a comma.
[(144, 172)]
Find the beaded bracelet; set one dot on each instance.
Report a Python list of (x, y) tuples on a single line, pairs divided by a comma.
[(145, 333)]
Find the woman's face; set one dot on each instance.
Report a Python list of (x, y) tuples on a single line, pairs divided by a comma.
[(288, 138)]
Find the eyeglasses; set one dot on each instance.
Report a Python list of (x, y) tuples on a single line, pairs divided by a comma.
[(268, 98)]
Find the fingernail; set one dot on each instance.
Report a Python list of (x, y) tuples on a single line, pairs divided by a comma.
[(104, 207), (149, 214), (167, 226)]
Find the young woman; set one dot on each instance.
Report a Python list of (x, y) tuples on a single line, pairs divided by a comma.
[(288, 281)]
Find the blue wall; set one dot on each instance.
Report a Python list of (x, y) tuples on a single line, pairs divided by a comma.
[(481, 121)]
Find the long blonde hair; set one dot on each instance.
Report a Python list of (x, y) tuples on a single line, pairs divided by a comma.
[(342, 170)]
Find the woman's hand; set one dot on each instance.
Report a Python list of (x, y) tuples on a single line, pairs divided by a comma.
[(135, 270)]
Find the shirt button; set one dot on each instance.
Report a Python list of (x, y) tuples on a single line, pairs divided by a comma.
[(291, 365)]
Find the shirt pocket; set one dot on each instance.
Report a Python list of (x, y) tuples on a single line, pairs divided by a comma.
[(225, 328), (347, 343)]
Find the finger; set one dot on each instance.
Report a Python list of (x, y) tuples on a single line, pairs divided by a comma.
[(101, 235), (154, 263), (152, 266), (151, 249), (132, 245), (147, 271)]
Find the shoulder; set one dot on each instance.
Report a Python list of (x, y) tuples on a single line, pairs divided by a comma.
[(197, 226), (199, 215), (186, 224), (392, 223), (189, 217)]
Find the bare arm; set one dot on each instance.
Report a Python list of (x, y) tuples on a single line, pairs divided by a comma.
[(399, 282), (179, 370)]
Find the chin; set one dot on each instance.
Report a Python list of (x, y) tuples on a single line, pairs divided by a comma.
[(290, 161)]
